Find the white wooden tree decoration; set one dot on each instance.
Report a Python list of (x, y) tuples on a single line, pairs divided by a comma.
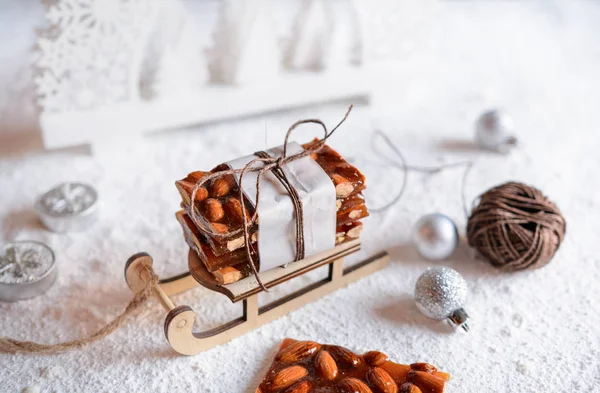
[(311, 42), (245, 46), (325, 35), (346, 41), (174, 65), (109, 70)]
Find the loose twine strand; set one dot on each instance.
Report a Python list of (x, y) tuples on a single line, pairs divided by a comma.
[(262, 164), (403, 165), (513, 225), (9, 345)]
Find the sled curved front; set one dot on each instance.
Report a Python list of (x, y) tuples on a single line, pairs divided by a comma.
[(180, 320)]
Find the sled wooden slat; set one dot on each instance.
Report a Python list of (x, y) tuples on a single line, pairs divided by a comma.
[(248, 286)]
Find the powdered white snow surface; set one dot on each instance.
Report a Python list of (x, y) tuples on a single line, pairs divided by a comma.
[(533, 331)]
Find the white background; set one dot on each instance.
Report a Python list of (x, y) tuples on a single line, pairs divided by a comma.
[(532, 331)]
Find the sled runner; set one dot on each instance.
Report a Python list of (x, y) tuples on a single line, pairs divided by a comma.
[(179, 323)]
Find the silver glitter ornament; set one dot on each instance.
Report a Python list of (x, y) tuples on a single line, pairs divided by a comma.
[(435, 236), (494, 131), (440, 294), (27, 269), (68, 207)]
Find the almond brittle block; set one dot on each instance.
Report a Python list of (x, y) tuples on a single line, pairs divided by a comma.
[(234, 266), (306, 366), (350, 210), (217, 203), (199, 244)]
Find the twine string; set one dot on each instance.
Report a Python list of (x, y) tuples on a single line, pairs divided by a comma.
[(515, 227), (9, 345), (260, 165), (403, 165), (279, 173)]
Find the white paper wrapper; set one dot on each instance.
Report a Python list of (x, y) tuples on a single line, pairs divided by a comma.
[(276, 216)]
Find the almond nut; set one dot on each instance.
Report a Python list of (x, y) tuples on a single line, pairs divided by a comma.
[(343, 186), (344, 356), (399, 372), (300, 387), (354, 232), (195, 176), (220, 168), (445, 376), (381, 381), (426, 382), (325, 366), (354, 214), (409, 388), (238, 242), (287, 342), (353, 385), (222, 186), (428, 368), (186, 188), (219, 228), (298, 351), (213, 210), (233, 208), (228, 275), (375, 358), (287, 377)]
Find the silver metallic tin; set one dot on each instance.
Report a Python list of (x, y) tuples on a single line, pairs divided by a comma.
[(68, 207), (27, 269)]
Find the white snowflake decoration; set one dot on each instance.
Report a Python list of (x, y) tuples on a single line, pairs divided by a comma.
[(90, 54)]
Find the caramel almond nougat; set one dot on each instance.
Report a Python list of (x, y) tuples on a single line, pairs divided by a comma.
[(306, 366)]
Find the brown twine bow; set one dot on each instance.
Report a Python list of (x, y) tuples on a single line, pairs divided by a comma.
[(265, 163), (8, 345)]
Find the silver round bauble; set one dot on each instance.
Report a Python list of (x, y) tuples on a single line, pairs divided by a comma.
[(494, 130), (440, 293), (435, 236)]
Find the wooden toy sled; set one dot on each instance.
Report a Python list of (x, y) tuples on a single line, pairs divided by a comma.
[(180, 319)]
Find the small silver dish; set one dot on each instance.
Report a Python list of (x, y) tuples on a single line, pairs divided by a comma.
[(68, 207), (27, 269)]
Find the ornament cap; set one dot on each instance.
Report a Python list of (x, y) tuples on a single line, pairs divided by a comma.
[(459, 318)]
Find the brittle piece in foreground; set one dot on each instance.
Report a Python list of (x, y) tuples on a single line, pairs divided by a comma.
[(306, 366)]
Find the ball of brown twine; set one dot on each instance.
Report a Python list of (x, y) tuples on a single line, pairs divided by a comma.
[(515, 227)]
